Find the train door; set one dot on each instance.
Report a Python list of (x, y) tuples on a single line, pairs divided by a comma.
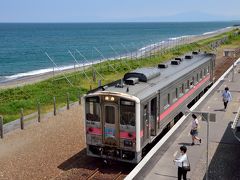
[(153, 116), (146, 125), (110, 124)]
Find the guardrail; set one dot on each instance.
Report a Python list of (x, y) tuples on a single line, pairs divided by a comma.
[(34, 117), (236, 124)]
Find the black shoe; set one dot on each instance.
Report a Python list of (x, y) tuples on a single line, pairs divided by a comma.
[(192, 144), (200, 140)]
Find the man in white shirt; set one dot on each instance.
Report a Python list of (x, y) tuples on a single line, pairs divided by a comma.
[(182, 161), (226, 97)]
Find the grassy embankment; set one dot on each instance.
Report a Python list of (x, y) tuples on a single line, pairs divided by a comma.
[(26, 97)]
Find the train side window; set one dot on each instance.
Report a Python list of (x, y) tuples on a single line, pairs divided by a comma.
[(168, 98), (176, 91), (166, 101), (181, 90), (197, 78), (207, 69), (174, 95), (187, 86), (205, 72), (201, 74), (192, 82), (127, 113)]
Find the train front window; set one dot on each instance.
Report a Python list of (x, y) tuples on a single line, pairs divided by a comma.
[(127, 113), (92, 109), (110, 114)]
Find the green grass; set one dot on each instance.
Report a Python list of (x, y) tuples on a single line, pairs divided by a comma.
[(26, 97)]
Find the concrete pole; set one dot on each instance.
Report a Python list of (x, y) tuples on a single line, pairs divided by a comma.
[(207, 147), (39, 112), (54, 106), (21, 119), (99, 83), (1, 127), (68, 107), (79, 98)]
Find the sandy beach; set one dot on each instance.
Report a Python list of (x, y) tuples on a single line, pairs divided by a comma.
[(37, 78)]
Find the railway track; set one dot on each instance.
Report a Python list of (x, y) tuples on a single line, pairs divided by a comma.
[(88, 168), (221, 67), (96, 174)]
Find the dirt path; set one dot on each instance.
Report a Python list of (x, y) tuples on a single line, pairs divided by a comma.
[(37, 151)]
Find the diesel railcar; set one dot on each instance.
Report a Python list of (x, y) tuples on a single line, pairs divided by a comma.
[(124, 117)]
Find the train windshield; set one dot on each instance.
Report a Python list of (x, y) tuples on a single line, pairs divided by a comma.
[(92, 109), (127, 112), (110, 114)]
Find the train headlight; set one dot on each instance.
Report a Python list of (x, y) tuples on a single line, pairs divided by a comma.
[(109, 98)]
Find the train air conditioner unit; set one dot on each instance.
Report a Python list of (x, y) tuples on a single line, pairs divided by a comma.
[(162, 66), (179, 59), (188, 57), (132, 81), (175, 62), (143, 74), (195, 53)]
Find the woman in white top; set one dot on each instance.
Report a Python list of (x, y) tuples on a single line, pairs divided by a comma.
[(226, 97), (182, 161), (194, 130)]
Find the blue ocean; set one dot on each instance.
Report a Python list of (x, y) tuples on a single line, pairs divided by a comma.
[(23, 46)]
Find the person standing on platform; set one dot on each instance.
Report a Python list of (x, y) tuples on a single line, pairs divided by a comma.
[(182, 163), (226, 97), (194, 130)]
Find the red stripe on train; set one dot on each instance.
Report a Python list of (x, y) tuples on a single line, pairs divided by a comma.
[(183, 98), (123, 134), (95, 131), (129, 135)]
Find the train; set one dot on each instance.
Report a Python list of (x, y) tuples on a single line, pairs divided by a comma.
[(124, 117)]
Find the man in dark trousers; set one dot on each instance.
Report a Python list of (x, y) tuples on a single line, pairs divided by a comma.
[(182, 162), (226, 97)]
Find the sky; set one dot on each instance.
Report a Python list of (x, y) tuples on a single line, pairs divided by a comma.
[(118, 10)]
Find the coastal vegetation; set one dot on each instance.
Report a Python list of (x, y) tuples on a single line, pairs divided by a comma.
[(28, 96)]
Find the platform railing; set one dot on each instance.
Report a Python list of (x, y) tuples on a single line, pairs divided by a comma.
[(235, 123)]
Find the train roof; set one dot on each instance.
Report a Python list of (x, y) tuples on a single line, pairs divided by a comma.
[(152, 79)]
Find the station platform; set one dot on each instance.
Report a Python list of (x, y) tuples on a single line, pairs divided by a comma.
[(224, 149)]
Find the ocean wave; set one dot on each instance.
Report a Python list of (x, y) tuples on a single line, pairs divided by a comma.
[(151, 46), (41, 72), (217, 31), (210, 32), (180, 37)]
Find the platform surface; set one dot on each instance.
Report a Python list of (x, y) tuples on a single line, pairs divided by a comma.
[(224, 149)]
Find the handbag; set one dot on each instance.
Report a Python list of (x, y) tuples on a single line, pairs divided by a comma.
[(191, 132), (186, 168)]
